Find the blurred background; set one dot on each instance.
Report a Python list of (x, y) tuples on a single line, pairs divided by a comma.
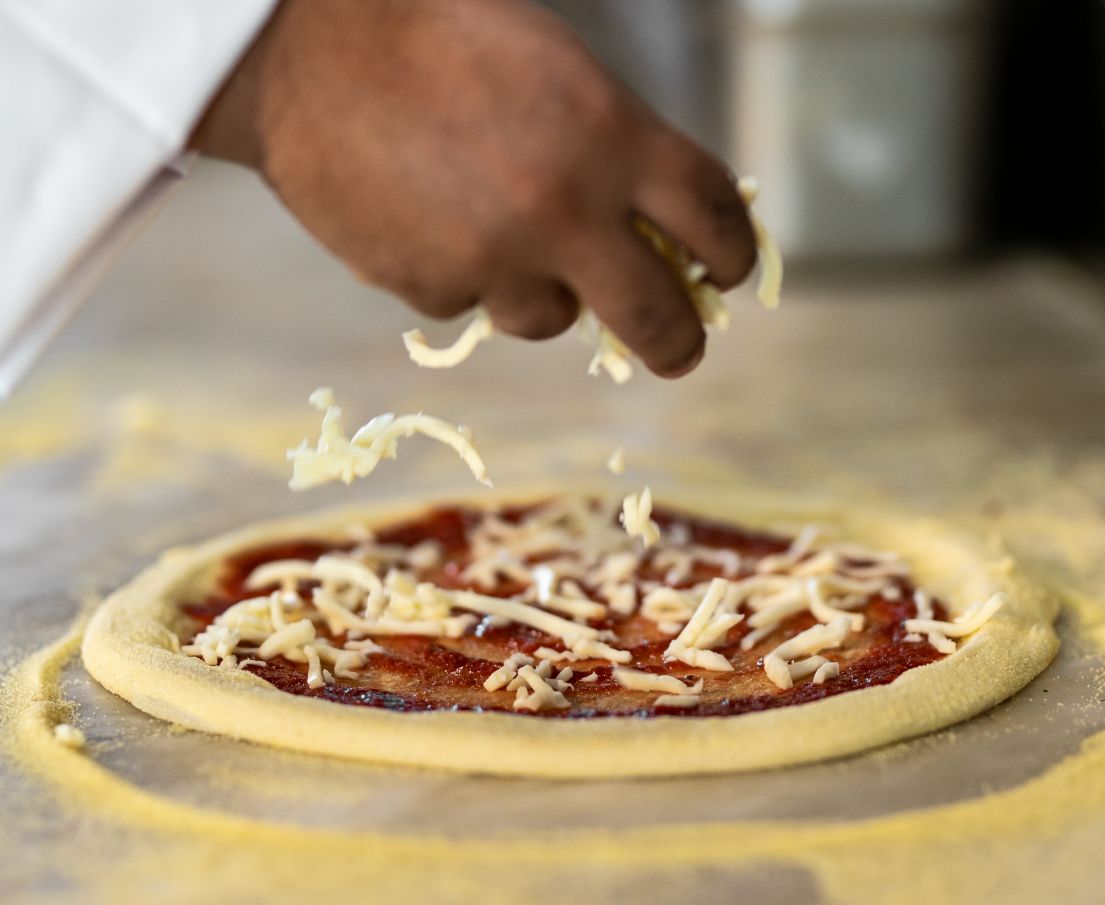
[(933, 171), (884, 128)]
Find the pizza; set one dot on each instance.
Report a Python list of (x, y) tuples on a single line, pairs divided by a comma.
[(567, 634)]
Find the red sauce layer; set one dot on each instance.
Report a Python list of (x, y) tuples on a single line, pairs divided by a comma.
[(418, 673)]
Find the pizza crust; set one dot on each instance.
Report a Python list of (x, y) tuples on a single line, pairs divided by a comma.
[(130, 648)]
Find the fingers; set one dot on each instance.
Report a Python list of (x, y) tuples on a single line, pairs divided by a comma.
[(634, 293), (693, 199), (538, 310), (443, 300)]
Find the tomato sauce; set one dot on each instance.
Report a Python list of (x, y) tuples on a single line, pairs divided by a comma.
[(415, 673)]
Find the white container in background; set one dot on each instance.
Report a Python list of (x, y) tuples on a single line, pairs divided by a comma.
[(861, 119)]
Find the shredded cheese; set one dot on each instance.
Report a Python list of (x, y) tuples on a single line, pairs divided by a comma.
[(970, 622), (823, 611), (688, 646), (636, 517), (524, 614), (637, 680), (336, 457), (574, 565), (611, 354), (423, 355), (692, 274), (812, 641), (286, 639), (541, 693), (506, 673), (616, 462), (589, 648), (771, 262)]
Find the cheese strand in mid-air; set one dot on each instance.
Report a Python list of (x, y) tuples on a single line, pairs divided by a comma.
[(767, 252), (611, 354), (337, 457), (424, 355)]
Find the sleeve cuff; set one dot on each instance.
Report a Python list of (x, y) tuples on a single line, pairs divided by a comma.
[(103, 111)]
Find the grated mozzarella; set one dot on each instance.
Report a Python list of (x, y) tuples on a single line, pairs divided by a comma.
[(812, 641), (423, 355), (565, 554), (337, 457), (636, 517), (616, 462), (977, 615), (771, 262), (541, 693), (637, 680), (687, 646)]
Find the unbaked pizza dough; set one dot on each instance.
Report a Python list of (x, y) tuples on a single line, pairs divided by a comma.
[(133, 647)]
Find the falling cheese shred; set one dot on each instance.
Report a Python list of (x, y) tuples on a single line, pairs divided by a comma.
[(337, 457), (771, 262), (611, 354), (636, 517), (615, 464), (422, 354)]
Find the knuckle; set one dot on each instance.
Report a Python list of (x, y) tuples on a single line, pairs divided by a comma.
[(444, 306), (597, 101), (540, 317)]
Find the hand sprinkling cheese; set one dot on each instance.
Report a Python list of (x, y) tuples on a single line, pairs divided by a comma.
[(336, 457), (970, 622), (692, 274), (611, 354)]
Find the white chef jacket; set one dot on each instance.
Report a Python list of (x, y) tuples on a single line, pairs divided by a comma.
[(97, 99)]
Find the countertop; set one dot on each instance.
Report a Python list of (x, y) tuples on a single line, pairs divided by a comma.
[(970, 392)]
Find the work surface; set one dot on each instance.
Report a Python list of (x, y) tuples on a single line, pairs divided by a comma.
[(162, 415)]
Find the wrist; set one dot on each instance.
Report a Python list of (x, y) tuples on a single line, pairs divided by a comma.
[(230, 127)]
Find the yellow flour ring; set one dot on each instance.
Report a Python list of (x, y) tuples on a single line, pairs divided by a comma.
[(913, 858)]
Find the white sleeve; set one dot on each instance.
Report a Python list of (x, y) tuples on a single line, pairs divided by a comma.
[(97, 98)]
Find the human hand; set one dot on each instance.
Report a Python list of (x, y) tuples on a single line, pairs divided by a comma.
[(463, 152)]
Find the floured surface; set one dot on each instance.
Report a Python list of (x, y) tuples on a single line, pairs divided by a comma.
[(974, 397)]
